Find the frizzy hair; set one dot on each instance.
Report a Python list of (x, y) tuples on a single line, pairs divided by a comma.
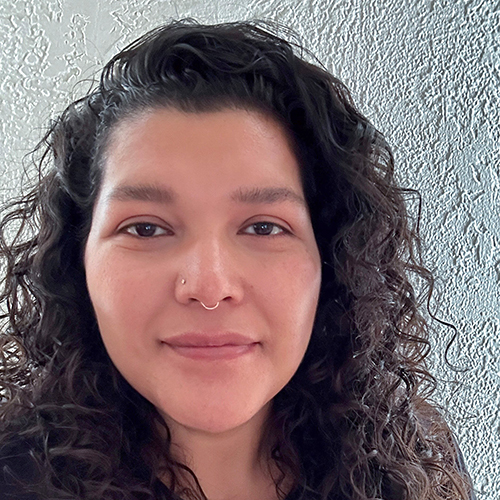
[(354, 422)]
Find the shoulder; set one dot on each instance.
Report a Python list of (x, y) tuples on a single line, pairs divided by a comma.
[(17, 468), (462, 467), (434, 425)]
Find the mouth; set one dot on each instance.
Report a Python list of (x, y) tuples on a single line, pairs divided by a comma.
[(219, 346), (214, 352)]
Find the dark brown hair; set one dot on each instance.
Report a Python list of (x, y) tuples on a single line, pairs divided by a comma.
[(354, 422)]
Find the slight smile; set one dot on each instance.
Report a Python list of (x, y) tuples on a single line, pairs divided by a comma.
[(204, 346)]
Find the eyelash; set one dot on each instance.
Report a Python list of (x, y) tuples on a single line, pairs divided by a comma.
[(128, 229)]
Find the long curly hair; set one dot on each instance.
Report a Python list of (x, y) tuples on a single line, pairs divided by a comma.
[(354, 422)]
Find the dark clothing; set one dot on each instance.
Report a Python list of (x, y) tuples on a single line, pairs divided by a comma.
[(17, 468)]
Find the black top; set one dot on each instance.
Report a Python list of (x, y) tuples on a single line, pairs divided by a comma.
[(16, 465), (17, 468)]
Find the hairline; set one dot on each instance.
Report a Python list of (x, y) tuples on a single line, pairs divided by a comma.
[(138, 112)]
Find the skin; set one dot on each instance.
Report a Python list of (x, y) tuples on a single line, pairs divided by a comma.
[(184, 223)]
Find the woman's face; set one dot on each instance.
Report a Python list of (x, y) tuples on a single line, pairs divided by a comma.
[(215, 200)]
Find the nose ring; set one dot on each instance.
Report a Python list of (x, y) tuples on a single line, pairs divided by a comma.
[(183, 281), (209, 308)]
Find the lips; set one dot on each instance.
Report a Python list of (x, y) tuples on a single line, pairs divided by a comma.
[(210, 347), (209, 340)]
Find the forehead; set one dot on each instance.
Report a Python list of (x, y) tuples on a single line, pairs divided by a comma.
[(207, 125), (232, 146)]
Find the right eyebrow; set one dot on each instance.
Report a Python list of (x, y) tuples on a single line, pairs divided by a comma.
[(144, 192)]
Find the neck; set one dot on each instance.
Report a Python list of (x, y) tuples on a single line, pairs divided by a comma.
[(229, 465)]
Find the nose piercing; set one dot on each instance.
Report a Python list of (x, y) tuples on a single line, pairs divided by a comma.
[(209, 308), (183, 281)]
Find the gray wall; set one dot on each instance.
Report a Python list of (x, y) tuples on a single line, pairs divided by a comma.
[(425, 72)]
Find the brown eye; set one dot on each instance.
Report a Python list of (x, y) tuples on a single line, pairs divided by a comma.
[(145, 230), (266, 229)]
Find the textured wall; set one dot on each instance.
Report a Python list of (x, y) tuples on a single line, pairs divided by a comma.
[(426, 73)]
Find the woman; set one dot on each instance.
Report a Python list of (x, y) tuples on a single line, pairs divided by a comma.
[(208, 292)]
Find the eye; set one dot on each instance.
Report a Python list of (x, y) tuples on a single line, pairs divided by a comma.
[(266, 229), (144, 230)]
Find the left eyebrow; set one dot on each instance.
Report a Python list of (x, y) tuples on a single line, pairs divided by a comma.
[(166, 195), (268, 195)]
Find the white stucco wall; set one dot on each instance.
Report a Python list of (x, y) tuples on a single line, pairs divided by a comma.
[(427, 74)]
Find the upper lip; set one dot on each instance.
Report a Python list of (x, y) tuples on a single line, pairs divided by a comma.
[(200, 339)]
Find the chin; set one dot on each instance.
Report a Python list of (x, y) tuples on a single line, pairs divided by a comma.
[(214, 420)]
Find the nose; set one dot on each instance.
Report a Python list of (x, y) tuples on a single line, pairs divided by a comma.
[(209, 273)]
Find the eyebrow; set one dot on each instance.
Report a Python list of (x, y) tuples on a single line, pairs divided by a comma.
[(254, 196)]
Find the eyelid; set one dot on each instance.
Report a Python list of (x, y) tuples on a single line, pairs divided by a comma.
[(284, 230), (135, 233), (125, 228)]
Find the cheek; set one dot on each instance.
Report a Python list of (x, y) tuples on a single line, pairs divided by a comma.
[(290, 292), (123, 294), (298, 282)]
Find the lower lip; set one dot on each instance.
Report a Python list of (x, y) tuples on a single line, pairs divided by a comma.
[(213, 352)]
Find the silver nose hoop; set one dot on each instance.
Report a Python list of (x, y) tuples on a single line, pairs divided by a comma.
[(183, 281), (209, 308)]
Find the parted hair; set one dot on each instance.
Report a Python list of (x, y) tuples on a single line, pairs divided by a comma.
[(355, 421)]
